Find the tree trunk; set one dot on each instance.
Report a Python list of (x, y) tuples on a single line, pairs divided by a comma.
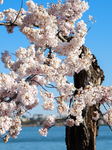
[(83, 137)]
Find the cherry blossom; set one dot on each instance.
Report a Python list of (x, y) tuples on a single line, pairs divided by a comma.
[(48, 123), (1, 16), (70, 122), (56, 35), (96, 115), (43, 132), (108, 117), (1, 1), (62, 109)]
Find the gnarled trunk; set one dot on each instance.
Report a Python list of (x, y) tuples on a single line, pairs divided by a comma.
[(83, 137)]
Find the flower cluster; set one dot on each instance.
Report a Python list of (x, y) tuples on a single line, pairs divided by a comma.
[(95, 115), (48, 100), (7, 109), (108, 116), (48, 123), (15, 128), (76, 111), (67, 14), (62, 109), (5, 124), (70, 122), (92, 95), (1, 16), (27, 93)]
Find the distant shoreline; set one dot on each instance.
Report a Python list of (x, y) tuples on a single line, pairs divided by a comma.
[(31, 125)]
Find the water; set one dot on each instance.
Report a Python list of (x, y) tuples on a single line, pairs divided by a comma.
[(29, 139), (104, 139)]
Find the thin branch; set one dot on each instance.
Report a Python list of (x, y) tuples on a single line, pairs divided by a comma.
[(49, 54), (28, 112), (104, 120), (104, 107), (89, 20), (7, 24), (12, 54), (61, 37), (30, 77), (56, 99), (106, 103), (13, 24), (11, 98), (71, 100), (52, 86), (2, 99), (18, 12), (39, 84), (43, 49), (89, 29), (36, 25)]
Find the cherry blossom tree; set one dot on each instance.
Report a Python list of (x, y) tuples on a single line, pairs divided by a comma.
[(53, 32)]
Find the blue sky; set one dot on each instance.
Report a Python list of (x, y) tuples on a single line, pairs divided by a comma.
[(98, 39)]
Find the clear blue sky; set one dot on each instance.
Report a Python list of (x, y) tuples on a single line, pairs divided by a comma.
[(98, 39)]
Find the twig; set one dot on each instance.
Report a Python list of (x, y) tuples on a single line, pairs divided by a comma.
[(2, 99), (30, 77), (36, 25), (28, 112), (52, 86), (18, 12), (70, 102), (13, 24), (104, 120), (104, 107), (39, 84), (7, 24), (11, 98), (106, 103), (43, 49), (87, 31), (61, 37)]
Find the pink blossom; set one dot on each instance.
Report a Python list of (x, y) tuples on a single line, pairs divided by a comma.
[(50, 121), (70, 122), (79, 119), (15, 128), (90, 17), (62, 109), (1, 1), (1, 16), (43, 132), (108, 117), (95, 115), (35, 68)]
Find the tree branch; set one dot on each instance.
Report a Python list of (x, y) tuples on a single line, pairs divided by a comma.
[(7, 24), (104, 120), (39, 84), (52, 86), (11, 98), (61, 37), (18, 12)]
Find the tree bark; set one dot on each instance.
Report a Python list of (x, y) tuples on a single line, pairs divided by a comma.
[(83, 137)]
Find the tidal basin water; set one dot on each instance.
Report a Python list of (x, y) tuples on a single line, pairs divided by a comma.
[(29, 139)]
